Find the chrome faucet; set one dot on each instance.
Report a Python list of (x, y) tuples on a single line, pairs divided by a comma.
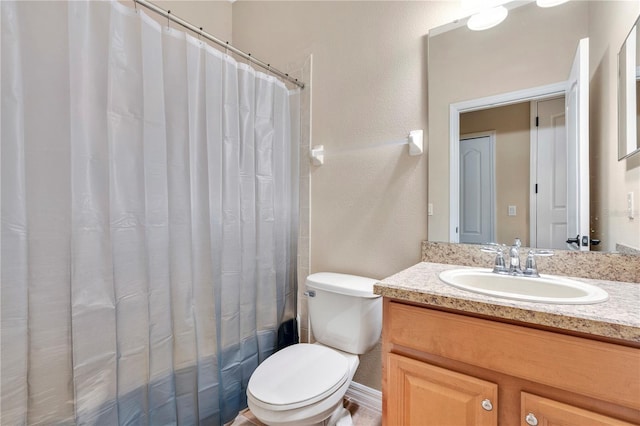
[(530, 268), (514, 258)]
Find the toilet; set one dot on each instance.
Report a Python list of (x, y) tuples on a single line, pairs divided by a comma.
[(304, 384)]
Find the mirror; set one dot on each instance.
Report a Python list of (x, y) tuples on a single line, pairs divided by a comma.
[(532, 49), (628, 90), (502, 162)]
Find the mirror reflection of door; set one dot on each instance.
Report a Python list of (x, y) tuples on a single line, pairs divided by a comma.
[(525, 155), (512, 129), (477, 188), (577, 122), (521, 163)]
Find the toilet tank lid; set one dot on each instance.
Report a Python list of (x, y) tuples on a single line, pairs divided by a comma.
[(351, 285)]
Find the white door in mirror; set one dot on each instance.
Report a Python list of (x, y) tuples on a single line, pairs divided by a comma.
[(577, 122)]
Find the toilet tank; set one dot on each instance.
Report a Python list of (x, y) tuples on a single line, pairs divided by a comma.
[(343, 311)]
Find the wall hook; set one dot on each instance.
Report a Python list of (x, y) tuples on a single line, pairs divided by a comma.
[(416, 144), (317, 155)]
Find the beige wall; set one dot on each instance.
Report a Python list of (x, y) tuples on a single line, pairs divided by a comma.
[(611, 179), (532, 47), (368, 206), (214, 16), (511, 124), (368, 203)]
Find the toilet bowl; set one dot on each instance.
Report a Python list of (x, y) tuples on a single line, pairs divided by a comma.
[(309, 387), (304, 384)]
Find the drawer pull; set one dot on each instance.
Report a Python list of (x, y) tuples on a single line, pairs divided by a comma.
[(531, 420), (486, 404)]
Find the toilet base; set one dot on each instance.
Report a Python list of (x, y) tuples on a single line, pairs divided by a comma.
[(340, 417)]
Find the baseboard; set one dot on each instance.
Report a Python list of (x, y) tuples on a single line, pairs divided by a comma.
[(365, 396)]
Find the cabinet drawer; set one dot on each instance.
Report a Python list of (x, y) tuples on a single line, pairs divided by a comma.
[(600, 370), (544, 411)]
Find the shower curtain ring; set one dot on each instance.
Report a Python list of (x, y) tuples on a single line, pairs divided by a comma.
[(200, 33), (226, 49), (135, 5), (168, 20)]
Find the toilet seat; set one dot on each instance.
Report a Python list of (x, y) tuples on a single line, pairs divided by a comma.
[(298, 376)]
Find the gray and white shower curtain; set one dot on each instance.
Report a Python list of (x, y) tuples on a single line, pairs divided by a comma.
[(148, 219)]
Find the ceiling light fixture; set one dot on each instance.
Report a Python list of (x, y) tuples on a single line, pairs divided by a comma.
[(487, 18), (550, 3)]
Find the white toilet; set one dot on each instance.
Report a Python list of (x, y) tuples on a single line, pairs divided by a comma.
[(304, 384)]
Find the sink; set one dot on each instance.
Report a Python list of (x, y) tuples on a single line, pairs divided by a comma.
[(546, 289)]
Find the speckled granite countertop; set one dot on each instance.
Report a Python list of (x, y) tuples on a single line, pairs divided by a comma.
[(617, 318)]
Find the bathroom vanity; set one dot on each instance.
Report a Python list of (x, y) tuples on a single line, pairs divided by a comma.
[(452, 357)]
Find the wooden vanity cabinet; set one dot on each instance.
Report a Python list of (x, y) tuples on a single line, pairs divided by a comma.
[(445, 368)]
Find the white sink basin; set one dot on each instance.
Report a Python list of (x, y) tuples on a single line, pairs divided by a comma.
[(546, 289)]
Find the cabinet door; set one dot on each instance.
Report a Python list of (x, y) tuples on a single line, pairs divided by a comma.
[(535, 410), (422, 394)]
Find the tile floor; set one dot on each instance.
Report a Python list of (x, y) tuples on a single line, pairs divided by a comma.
[(361, 415)]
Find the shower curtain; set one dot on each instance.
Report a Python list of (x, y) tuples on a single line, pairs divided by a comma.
[(148, 219)]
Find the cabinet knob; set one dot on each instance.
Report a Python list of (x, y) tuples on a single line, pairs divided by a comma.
[(486, 404), (531, 419)]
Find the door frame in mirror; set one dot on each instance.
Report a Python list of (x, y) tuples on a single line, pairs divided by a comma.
[(525, 95)]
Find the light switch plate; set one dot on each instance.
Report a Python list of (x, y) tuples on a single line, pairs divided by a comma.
[(512, 210)]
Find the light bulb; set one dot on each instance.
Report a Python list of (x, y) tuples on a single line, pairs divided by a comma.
[(487, 18)]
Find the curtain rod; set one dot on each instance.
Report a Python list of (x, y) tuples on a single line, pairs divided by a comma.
[(167, 14)]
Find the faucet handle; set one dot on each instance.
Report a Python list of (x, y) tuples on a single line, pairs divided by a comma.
[(492, 247), (500, 266), (530, 267), (542, 252)]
